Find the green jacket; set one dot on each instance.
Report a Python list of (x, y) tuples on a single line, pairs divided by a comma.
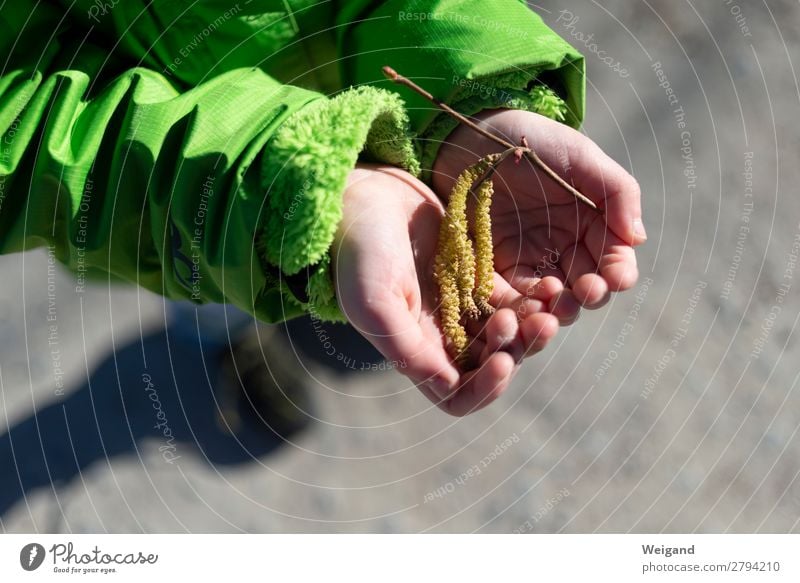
[(199, 148)]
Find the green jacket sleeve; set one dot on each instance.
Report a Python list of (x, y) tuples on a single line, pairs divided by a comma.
[(472, 54), (172, 145), (123, 171)]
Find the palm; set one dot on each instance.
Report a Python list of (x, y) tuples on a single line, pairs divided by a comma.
[(383, 265), (386, 253), (539, 229)]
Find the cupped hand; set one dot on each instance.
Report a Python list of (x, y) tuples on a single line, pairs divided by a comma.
[(548, 246), (383, 270)]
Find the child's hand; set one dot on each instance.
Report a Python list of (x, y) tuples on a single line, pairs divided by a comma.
[(383, 269), (538, 228)]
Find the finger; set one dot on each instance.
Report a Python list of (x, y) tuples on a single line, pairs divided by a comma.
[(547, 294), (398, 336), (537, 331), (610, 186), (474, 351), (535, 284), (591, 291), (502, 333), (506, 296), (497, 332), (589, 288), (577, 261), (482, 386), (616, 261), (476, 329), (503, 294), (565, 307), (581, 162)]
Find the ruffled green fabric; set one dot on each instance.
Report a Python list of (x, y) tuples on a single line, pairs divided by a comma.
[(304, 171)]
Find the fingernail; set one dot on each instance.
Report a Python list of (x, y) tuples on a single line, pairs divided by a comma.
[(638, 229), (439, 387), (504, 341)]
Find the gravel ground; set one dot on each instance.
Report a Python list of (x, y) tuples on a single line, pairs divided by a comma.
[(673, 409)]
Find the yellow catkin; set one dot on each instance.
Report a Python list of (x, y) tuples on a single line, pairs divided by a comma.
[(457, 216), (446, 274), (484, 251), (458, 269)]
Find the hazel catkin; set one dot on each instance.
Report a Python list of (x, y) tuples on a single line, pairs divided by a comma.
[(457, 214), (463, 269), (446, 268), (484, 250)]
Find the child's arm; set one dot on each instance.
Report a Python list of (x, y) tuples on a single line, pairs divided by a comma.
[(220, 192), (552, 255), (472, 54)]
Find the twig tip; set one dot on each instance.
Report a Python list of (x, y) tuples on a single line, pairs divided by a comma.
[(390, 73)]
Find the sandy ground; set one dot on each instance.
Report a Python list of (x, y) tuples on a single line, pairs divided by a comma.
[(674, 409)]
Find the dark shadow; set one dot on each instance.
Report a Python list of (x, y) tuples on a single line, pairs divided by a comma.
[(117, 408), (338, 347)]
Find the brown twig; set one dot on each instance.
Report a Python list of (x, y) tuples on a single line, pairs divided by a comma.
[(494, 162), (525, 150)]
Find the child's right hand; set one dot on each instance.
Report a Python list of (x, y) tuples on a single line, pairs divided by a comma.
[(382, 261)]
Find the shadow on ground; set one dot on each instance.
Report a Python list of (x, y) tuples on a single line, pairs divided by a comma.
[(158, 388), (152, 388)]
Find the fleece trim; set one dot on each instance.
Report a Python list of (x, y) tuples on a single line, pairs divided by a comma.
[(304, 171)]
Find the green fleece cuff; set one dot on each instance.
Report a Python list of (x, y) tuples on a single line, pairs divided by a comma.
[(498, 92), (304, 171)]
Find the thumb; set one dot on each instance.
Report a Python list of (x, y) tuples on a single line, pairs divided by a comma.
[(583, 163), (613, 189), (388, 324)]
